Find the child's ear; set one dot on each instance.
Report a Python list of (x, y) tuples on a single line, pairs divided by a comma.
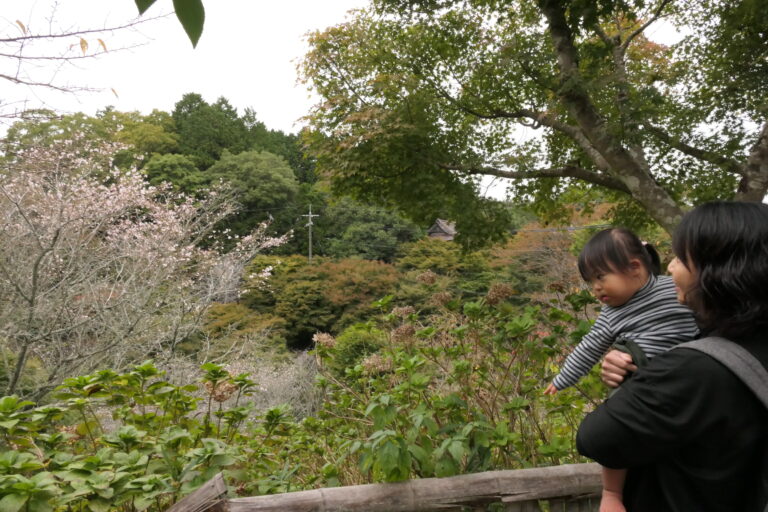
[(635, 266)]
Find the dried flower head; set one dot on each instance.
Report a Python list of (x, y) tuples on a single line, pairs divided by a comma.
[(323, 339), (404, 311), (557, 287), (375, 364), (403, 333), (440, 298), (223, 391), (427, 277), (71, 432), (498, 293)]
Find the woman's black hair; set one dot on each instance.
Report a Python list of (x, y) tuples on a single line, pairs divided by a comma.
[(725, 246), (612, 249)]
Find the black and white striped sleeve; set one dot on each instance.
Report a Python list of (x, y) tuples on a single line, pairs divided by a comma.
[(587, 353)]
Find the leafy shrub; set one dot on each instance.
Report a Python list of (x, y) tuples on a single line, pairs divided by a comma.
[(354, 344), (323, 297), (228, 323), (302, 304), (442, 257), (458, 393)]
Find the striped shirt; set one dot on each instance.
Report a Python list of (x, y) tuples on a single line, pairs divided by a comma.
[(652, 318)]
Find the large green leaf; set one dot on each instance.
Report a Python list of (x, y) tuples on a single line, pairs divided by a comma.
[(143, 5), (191, 14), (12, 502)]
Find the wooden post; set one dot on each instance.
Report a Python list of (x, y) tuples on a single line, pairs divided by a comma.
[(211, 497), (523, 486)]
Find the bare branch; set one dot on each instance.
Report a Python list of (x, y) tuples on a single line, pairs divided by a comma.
[(610, 42), (35, 84), (77, 33), (656, 15), (22, 55), (57, 57)]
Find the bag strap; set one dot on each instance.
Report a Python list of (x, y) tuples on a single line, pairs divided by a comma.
[(737, 359)]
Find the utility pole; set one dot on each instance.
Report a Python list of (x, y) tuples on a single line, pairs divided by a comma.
[(309, 224)]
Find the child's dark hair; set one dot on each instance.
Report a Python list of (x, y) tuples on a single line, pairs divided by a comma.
[(725, 245), (612, 249)]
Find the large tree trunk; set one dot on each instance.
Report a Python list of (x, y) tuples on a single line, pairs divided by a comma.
[(628, 168), (754, 184)]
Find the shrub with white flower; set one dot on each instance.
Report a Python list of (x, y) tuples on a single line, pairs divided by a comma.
[(102, 270)]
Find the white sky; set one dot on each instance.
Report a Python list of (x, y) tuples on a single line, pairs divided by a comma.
[(248, 53)]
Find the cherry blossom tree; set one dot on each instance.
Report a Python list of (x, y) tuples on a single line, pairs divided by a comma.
[(101, 270)]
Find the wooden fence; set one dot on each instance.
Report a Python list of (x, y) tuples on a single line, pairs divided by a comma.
[(567, 488)]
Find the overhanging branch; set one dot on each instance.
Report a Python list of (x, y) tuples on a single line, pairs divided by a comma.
[(539, 119), (567, 171), (727, 164)]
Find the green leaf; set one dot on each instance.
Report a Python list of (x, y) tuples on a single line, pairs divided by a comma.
[(143, 502), (143, 5), (419, 453), (446, 467), (517, 403), (9, 424), (457, 450), (12, 502), (99, 505), (192, 16)]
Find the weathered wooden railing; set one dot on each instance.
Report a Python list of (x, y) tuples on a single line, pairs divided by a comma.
[(567, 488)]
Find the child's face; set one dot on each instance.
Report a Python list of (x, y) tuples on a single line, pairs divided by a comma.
[(616, 288)]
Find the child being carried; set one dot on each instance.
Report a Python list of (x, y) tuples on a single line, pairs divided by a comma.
[(640, 311)]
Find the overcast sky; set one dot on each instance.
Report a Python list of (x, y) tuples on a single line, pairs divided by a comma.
[(248, 54)]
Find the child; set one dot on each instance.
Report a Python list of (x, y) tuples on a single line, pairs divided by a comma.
[(640, 310)]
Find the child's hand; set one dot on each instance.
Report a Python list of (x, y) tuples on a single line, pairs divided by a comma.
[(612, 502), (551, 389)]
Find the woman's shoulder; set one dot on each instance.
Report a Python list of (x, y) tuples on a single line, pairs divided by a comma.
[(757, 346)]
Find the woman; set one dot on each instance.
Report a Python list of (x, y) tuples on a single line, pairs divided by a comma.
[(691, 433)]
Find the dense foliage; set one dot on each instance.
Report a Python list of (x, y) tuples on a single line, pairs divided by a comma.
[(457, 391)]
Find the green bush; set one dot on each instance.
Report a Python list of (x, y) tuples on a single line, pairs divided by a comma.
[(459, 394), (325, 296), (354, 344), (441, 257)]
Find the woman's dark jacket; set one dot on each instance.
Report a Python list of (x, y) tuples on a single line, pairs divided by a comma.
[(691, 433)]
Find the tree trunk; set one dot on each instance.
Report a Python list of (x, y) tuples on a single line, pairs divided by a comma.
[(754, 185), (623, 165)]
